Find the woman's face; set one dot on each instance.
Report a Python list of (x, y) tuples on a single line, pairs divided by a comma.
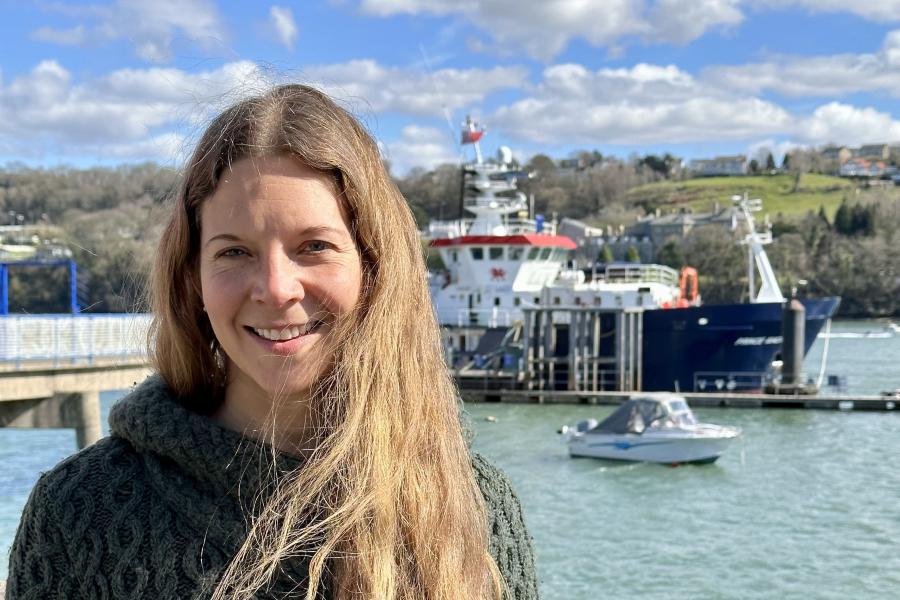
[(278, 265)]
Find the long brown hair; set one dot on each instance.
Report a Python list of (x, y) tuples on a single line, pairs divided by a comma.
[(388, 500)]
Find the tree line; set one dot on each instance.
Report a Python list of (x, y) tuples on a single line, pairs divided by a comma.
[(110, 219), (855, 256)]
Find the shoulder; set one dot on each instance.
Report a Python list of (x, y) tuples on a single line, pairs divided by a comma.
[(96, 467), (504, 512), (88, 471), (69, 494), (495, 486), (510, 543), (56, 524)]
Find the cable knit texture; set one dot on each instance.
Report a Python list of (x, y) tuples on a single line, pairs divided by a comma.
[(158, 509)]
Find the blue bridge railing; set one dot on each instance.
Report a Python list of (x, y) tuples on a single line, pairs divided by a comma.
[(66, 339)]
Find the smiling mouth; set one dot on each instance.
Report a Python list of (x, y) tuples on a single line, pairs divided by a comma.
[(285, 334)]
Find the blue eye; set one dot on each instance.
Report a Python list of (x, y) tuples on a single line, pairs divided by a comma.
[(232, 252), (316, 246)]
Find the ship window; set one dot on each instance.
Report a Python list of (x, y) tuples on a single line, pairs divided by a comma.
[(517, 301), (497, 301), (532, 254), (537, 301), (598, 301), (516, 253), (577, 301), (477, 253), (545, 253), (496, 253), (454, 257), (556, 300)]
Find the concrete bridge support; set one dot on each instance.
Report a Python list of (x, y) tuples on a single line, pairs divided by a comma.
[(75, 410), (88, 428), (63, 398)]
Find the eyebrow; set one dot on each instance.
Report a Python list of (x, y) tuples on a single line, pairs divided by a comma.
[(222, 236), (312, 230)]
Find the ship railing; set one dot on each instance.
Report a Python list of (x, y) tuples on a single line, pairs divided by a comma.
[(641, 273), (452, 229), (55, 340), (522, 226), (730, 381), (476, 317), (447, 229)]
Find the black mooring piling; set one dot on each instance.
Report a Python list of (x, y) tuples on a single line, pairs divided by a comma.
[(793, 322)]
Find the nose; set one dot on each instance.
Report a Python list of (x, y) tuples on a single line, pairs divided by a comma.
[(278, 281)]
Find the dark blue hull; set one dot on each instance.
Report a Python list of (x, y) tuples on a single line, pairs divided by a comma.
[(719, 347)]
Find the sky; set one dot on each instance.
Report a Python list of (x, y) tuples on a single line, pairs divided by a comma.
[(124, 81)]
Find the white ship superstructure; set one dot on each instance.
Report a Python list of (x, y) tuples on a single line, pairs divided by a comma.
[(504, 259)]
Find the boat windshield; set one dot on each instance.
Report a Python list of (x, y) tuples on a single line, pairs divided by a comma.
[(681, 415), (677, 414)]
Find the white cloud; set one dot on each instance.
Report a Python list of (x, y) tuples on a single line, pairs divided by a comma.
[(170, 147), (75, 36), (836, 122), (652, 104), (880, 10), (129, 113), (152, 27), (642, 105), (282, 20), (681, 21), (817, 76), (414, 92), (147, 112), (543, 29), (425, 147)]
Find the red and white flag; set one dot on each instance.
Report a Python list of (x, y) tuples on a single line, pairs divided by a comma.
[(470, 137)]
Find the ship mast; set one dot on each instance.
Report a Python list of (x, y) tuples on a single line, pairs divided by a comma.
[(471, 134), (758, 260)]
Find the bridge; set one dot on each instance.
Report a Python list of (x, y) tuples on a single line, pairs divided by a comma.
[(53, 368)]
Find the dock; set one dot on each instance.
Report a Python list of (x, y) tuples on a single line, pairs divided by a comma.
[(53, 368), (695, 399)]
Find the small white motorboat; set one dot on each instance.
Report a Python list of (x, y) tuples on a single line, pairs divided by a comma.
[(657, 427)]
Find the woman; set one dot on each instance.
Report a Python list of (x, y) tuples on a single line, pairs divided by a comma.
[(302, 435)]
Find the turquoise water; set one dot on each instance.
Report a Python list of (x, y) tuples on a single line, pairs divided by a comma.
[(805, 505)]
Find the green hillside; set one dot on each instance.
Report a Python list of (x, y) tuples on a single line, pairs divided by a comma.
[(776, 191)]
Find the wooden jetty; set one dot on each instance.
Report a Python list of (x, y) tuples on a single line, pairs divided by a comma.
[(575, 368), (695, 399)]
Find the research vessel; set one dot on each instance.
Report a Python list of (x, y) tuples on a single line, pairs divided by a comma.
[(502, 260)]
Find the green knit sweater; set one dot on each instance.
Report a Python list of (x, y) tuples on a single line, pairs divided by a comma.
[(158, 509)]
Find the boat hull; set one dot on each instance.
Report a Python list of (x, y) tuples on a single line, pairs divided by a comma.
[(719, 348), (659, 448)]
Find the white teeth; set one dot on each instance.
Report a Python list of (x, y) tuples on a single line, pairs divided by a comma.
[(287, 333)]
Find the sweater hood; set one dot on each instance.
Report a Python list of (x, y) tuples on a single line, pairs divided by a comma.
[(152, 420)]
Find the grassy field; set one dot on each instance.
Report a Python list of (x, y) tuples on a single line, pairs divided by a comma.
[(776, 191)]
